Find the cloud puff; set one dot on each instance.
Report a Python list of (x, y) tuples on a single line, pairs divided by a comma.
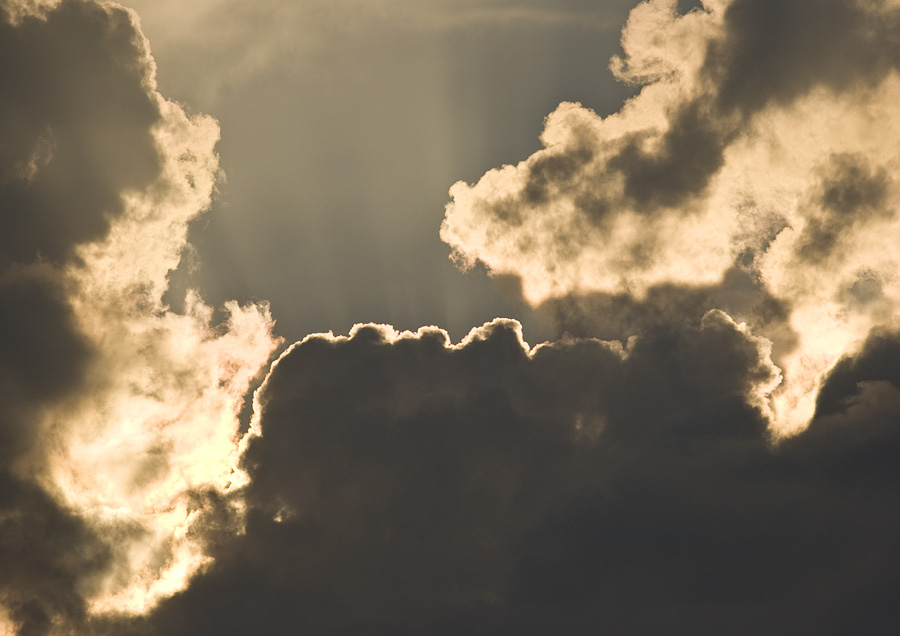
[(115, 409), (746, 148), (401, 484)]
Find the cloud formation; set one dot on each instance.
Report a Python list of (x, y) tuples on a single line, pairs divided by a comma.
[(732, 247), (762, 140), (403, 485), (720, 255), (114, 407)]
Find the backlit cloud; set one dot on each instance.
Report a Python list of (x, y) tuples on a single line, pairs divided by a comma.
[(720, 259), (763, 139), (402, 484), (114, 407)]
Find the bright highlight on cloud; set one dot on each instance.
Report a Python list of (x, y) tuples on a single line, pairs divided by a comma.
[(763, 140), (115, 408)]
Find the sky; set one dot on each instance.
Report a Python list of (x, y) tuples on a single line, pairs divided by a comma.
[(344, 124), (449, 317)]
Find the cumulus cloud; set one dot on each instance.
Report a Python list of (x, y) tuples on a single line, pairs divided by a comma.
[(762, 141), (115, 409), (401, 484)]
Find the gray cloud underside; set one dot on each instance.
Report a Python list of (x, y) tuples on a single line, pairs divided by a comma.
[(407, 487)]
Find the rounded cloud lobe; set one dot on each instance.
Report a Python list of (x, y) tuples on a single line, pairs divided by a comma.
[(762, 141)]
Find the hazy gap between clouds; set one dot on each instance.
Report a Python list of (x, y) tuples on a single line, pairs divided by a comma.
[(256, 36)]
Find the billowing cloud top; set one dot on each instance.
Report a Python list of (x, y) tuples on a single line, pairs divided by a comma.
[(403, 485), (762, 140)]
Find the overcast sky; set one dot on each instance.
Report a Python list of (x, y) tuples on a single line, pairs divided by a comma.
[(448, 317)]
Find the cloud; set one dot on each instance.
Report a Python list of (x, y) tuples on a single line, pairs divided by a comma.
[(721, 261), (746, 149), (115, 409), (400, 484), (772, 53)]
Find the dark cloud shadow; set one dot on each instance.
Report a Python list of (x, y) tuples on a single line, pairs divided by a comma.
[(404, 487), (76, 120)]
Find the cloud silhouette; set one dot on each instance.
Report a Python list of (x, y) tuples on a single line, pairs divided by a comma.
[(114, 408), (400, 484)]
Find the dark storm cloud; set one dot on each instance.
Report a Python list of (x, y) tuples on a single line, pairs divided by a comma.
[(47, 554), (879, 360), (75, 124), (404, 487), (113, 409)]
